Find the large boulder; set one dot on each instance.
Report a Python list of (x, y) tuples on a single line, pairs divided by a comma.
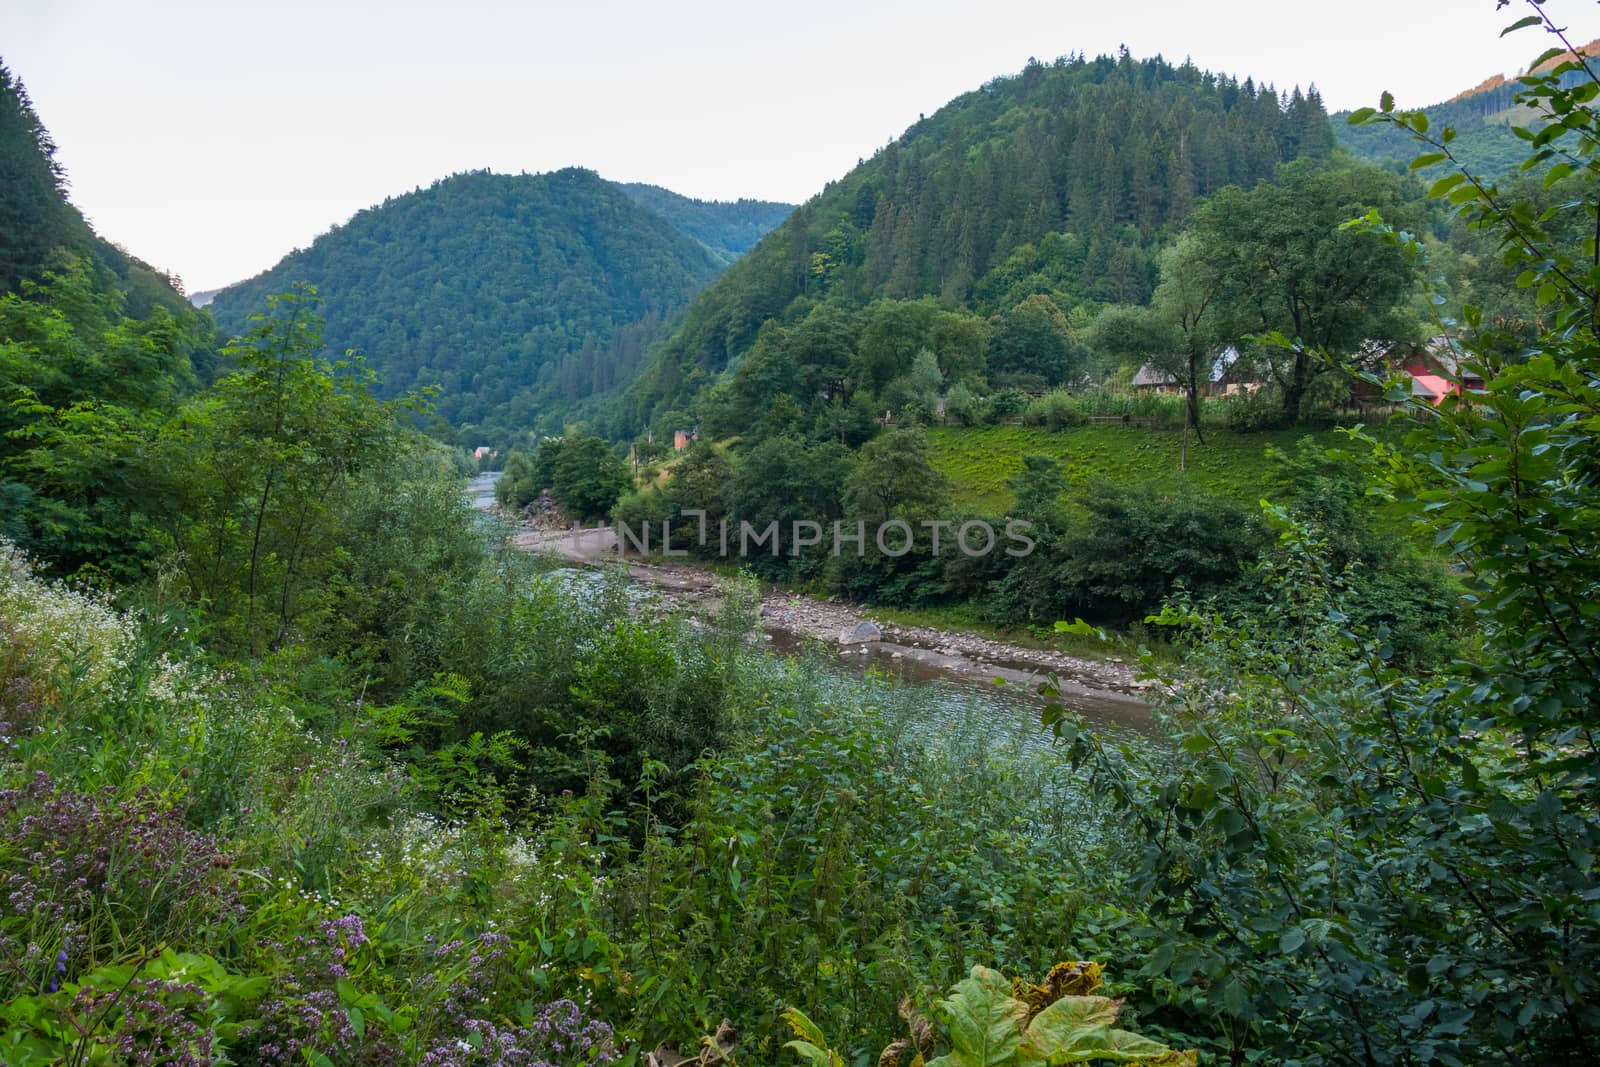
[(864, 632)]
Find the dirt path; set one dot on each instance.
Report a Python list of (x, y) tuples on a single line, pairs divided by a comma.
[(955, 652)]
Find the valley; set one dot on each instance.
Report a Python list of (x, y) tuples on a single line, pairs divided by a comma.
[(1107, 578)]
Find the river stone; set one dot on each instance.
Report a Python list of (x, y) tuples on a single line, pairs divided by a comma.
[(862, 633)]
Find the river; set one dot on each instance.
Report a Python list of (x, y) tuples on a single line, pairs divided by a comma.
[(947, 689)]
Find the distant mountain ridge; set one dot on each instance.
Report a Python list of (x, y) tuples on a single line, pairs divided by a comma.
[(518, 296), (729, 228), (1482, 117)]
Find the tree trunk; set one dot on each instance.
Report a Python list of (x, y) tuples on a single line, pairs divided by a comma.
[(1294, 390), (1191, 415)]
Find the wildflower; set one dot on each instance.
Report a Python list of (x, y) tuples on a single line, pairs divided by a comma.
[(60, 969)]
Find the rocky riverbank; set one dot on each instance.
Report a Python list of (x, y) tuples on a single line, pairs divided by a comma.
[(834, 621), (853, 629)]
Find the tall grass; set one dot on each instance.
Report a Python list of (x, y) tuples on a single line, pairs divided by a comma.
[(269, 863)]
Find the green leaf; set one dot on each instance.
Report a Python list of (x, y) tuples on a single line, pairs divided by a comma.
[(1428, 159), (1054, 1027), (1234, 998), (1081, 629), (1521, 24), (819, 1057), (985, 1021), (810, 1045), (1118, 1046), (803, 1027)]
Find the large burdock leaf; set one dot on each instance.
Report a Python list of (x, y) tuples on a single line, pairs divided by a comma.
[(1102, 1044), (992, 1022), (1057, 1025), (985, 1021)]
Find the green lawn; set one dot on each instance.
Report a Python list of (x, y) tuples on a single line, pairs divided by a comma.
[(981, 460)]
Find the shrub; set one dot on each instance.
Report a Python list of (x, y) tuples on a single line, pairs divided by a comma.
[(988, 1021), (1054, 410), (963, 408), (1254, 412), (1007, 404), (1124, 550)]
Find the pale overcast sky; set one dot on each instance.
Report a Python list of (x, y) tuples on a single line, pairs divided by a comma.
[(210, 138)]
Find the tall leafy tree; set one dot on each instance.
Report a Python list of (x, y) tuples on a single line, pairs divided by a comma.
[(895, 479), (258, 466), (587, 478), (85, 388), (1180, 333), (1289, 265), (1030, 342), (785, 481)]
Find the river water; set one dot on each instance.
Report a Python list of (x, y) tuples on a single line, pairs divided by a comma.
[(944, 700)]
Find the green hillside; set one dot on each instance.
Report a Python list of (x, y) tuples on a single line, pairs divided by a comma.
[(1482, 118), (41, 230), (97, 349), (981, 461), (519, 296), (1482, 121), (729, 228), (1061, 180)]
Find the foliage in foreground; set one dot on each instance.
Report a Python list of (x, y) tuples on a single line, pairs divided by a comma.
[(273, 863), (991, 1022), (1358, 865)]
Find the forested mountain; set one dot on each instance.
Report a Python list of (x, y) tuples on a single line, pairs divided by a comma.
[(517, 295), (1057, 181), (41, 230), (729, 228), (1481, 116), (96, 349)]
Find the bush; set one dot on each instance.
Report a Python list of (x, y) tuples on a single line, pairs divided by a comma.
[(963, 408), (843, 853), (1007, 404), (1388, 588), (1059, 409), (1053, 410), (1124, 550), (1254, 412)]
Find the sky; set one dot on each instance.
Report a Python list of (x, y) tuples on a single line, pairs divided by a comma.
[(212, 138)]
